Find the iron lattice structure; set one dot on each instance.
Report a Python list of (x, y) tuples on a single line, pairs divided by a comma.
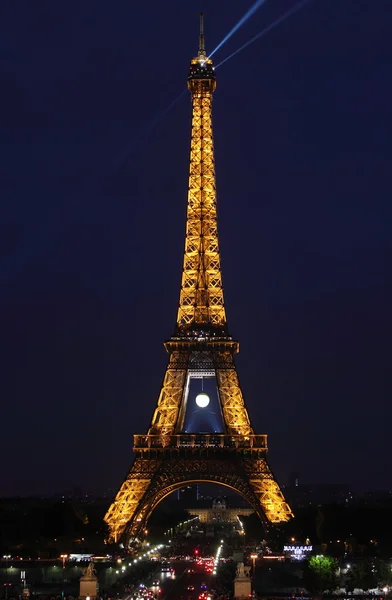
[(166, 458)]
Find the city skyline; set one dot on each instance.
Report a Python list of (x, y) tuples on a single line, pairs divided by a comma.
[(94, 223)]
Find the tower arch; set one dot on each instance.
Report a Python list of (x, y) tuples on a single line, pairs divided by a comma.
[(150, 503)]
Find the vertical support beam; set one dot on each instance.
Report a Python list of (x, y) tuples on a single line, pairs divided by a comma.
[(166, 414), (267, 491), (129, 497), (235, 415)]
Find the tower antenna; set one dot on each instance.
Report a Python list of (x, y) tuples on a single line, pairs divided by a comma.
[(202, 49)]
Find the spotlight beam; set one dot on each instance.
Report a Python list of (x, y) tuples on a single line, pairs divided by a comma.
[(272, 25), (135, 142), (18, 262), (241, 22)]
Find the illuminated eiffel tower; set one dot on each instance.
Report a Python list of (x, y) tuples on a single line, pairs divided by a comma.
[(167, 458)]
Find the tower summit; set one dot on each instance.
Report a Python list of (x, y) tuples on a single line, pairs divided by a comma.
[(201, 305), (168, 457)]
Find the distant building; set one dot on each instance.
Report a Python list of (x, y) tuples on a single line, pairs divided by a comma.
[(297, 551), (219, 512)]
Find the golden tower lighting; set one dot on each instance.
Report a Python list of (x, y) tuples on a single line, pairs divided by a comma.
[(201, 347)]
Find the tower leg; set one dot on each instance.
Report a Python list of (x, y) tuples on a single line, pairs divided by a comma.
[(128, 499), (267, 490), (148, 484), (235, 415), (169, 402), (151, 480)]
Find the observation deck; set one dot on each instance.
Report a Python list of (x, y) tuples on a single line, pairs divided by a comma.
[(201, 343), (201, 68), (190, 443)]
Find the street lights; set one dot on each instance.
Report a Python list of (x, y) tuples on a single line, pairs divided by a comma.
[(254, 557)]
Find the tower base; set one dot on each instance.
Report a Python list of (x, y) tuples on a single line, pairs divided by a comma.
[(163, 466)]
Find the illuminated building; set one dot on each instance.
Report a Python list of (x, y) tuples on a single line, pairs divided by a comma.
[(219, 512), (168, 458), (297, 552)]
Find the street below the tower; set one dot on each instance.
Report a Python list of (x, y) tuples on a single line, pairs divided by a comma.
[(187, 576), (179, 580)]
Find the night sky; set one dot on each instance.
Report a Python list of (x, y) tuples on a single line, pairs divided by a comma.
[(92, 211)]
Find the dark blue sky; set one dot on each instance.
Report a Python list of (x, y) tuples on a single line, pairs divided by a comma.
[(92, 238)]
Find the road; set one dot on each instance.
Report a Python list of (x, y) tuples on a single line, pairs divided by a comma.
[(175, 587)]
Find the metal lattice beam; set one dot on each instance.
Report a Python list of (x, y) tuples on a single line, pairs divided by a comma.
[(233, 407), (129, 497), (169, 402), (201, 296)]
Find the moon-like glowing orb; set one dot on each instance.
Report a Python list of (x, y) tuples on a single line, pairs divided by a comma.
[(202, 400)]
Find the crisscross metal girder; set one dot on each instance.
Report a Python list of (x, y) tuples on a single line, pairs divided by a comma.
[(166, 413), (129, 496), (252, 478), (201, 296), (166, 416)]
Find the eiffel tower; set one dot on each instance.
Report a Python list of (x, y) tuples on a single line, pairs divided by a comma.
[(167, 458)]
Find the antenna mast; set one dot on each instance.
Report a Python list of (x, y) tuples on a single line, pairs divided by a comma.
[(202, 49)]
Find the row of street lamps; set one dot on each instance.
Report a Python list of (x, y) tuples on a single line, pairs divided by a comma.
[(217, 557)]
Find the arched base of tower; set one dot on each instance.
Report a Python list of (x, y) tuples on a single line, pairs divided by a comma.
[(151, 480)]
